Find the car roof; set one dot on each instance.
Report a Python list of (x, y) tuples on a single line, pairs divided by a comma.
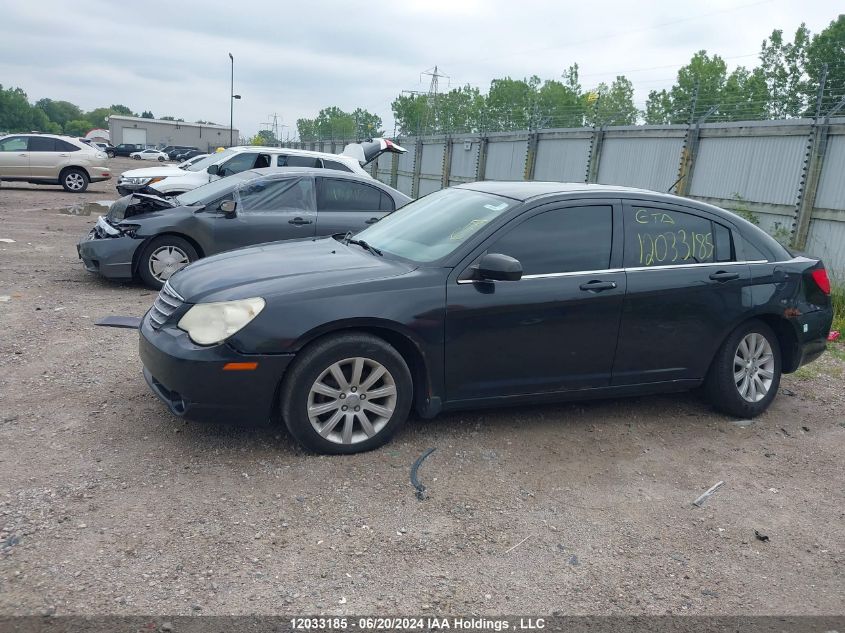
[(295, 152), (525, 190), (64, 137), (289, 172)]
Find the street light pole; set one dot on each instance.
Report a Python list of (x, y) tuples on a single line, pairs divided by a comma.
[(232, 102)]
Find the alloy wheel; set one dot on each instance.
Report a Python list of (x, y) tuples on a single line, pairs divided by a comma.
[(166, 260), (352, 400), (74, 181), (754, 367)]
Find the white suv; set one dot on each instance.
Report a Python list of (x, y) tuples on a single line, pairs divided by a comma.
[(171, 180), (48, 159)]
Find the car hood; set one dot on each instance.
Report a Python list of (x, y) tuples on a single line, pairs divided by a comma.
[(153, 172), (279, 268), (137, 204)]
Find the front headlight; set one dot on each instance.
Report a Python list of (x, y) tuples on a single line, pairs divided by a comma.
[(210, 323)]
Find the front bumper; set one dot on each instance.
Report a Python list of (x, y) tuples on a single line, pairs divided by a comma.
[(191, 381), (111, 257)]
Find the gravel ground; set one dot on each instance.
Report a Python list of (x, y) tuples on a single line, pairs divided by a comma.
[(108, 504)]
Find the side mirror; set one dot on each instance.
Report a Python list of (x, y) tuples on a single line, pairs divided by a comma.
[(213, 169), (498, 267), (228, 208)]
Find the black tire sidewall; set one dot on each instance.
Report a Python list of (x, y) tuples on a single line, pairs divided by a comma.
[(158, 242), (84, 176), (316, 359), (720, 386)]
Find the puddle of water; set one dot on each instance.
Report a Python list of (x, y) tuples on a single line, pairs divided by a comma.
[(98, 207)]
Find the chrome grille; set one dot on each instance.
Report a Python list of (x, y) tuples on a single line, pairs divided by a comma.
[(167, 302)]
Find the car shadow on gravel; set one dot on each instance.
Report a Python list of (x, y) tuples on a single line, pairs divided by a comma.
[(684, 413)]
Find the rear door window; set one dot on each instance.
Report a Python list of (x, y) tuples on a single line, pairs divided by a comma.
[(42, 144), (664, 237), (347, 195), (282, 194), (300, 161), (570, 239)]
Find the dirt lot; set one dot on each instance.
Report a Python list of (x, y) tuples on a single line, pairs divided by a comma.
[(108, 504)]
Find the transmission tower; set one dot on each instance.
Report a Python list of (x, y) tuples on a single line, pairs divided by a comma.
[(431, 111), (273, 126)]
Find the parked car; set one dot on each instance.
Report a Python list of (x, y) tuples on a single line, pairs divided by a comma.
[(149, 154), (152, 237), (185, 155), (174, 152), (50, 159), (107, 148), (125, 149), (170, 181), (190, 161), (490, 293)]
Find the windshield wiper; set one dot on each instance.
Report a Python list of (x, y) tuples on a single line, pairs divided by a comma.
[(347, 239)]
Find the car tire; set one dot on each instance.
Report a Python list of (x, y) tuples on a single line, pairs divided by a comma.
[(313, 384), (161, 159), (136, 158), (110, 154), (74, 180), (163, 256), (745, 374)]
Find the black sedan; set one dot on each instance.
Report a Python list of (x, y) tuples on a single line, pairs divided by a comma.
[(486, 294), (152, 237)]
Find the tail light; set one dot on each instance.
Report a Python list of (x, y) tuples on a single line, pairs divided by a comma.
[(819, 275)]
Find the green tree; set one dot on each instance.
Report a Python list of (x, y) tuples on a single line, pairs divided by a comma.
[(411, 113), (827, 47), (146, 114), (17, 115), (614, 104), (257, 140), (560, 103), (122, 110), (745, 96), (79, 127), (59, 112), (334, 123), (306, 129), (267, 137), (367, 124), (512, 103), (782, 64), (658, 108)]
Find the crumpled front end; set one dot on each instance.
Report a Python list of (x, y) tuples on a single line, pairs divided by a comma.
[(108, 251)]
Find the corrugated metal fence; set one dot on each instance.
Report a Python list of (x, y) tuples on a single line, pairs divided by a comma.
[(790, 174)]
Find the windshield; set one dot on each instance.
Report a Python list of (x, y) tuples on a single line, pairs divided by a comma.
[(206, 193), (210, 160), (434, 226)]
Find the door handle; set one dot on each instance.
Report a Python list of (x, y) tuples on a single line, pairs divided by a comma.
[(372, 221), (64, 155), (724, 275), (598, 286), (299, 221)]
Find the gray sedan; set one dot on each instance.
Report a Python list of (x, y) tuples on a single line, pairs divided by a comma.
[(150, 237)]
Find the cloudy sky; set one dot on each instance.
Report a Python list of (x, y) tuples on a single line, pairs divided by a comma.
[(295, 58)]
